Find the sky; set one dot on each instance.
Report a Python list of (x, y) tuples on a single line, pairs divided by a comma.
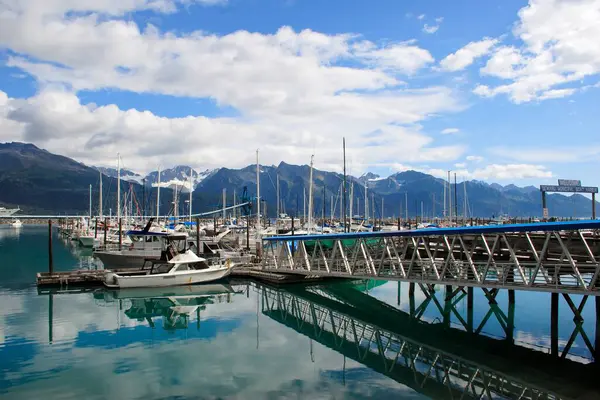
[(502, 90)]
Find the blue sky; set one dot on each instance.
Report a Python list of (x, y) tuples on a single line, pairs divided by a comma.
[(502, 91)]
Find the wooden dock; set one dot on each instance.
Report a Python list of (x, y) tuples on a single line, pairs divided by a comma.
[(94, 278)]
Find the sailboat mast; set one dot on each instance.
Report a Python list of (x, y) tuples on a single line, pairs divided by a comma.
[(465, 199), (224, 205), (331, 209), (449, 198), (90, 202), (191, 191), (351, 204), (118, 186), (278, 210), (366, 203), (304, 208), (100, 199), (345, 211), (310, 194), (455, 199), (158, 196), (234, 211), (323, 213), (444, 211), (257, 194)]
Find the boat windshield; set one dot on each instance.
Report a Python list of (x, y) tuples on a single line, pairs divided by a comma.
[(163, 268)]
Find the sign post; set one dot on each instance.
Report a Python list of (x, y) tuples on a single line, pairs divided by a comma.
[(568, 186)]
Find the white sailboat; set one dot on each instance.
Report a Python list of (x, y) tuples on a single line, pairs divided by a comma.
[(182, 269), (16, 223)]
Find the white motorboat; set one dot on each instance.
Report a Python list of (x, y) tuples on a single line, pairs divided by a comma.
[(16, 223), (183, 269)]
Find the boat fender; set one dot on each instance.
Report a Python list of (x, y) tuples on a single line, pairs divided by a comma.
[(110, 278)]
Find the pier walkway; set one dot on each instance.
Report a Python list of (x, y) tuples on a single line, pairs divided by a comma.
[(559, 257)]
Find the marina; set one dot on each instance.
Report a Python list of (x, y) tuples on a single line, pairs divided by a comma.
[(362, 338)]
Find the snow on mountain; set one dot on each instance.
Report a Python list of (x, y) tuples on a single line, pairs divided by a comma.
[(126, 174), (179, 177)]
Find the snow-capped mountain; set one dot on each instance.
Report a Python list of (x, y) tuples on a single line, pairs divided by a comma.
[(126, 174), (169, 178), (178, 176)]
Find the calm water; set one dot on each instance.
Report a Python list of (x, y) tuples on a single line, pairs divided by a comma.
[(243, 340)]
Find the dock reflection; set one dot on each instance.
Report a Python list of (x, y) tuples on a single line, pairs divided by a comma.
[(433, 359)]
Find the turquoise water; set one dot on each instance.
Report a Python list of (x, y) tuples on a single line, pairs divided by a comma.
[(244, 340)]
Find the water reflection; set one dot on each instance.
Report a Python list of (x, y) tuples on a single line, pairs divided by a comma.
[(8, 232), (173, 305)]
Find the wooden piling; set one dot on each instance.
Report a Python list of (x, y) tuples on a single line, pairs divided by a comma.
[(554, 325), (50, 256), (96, 229), (105, 229)]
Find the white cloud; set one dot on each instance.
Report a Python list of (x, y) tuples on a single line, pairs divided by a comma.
[(401, 57), (510, 172), (556, 94), (568, 154), (507, 172), (294, 91), (559, 46), (95, 134), (420, 17), (450, 131), (430, 28), (474, 158), (460, 165), (467, 55)]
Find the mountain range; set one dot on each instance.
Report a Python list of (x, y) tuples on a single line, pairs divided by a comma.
[(39, 181)]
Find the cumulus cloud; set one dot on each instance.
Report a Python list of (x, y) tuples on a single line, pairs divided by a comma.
[(507, 172), (450, 131), (293, 91), (467, 55), (57, 120), (558, 46)]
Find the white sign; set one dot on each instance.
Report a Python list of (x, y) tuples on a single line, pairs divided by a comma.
[(569, 182), (545, 213)]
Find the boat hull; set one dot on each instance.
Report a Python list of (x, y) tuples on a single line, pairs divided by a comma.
[(165, 280), (192, 291), (118, 260), (86, 241)]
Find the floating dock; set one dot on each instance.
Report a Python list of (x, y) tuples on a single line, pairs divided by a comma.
[(94, 278)]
